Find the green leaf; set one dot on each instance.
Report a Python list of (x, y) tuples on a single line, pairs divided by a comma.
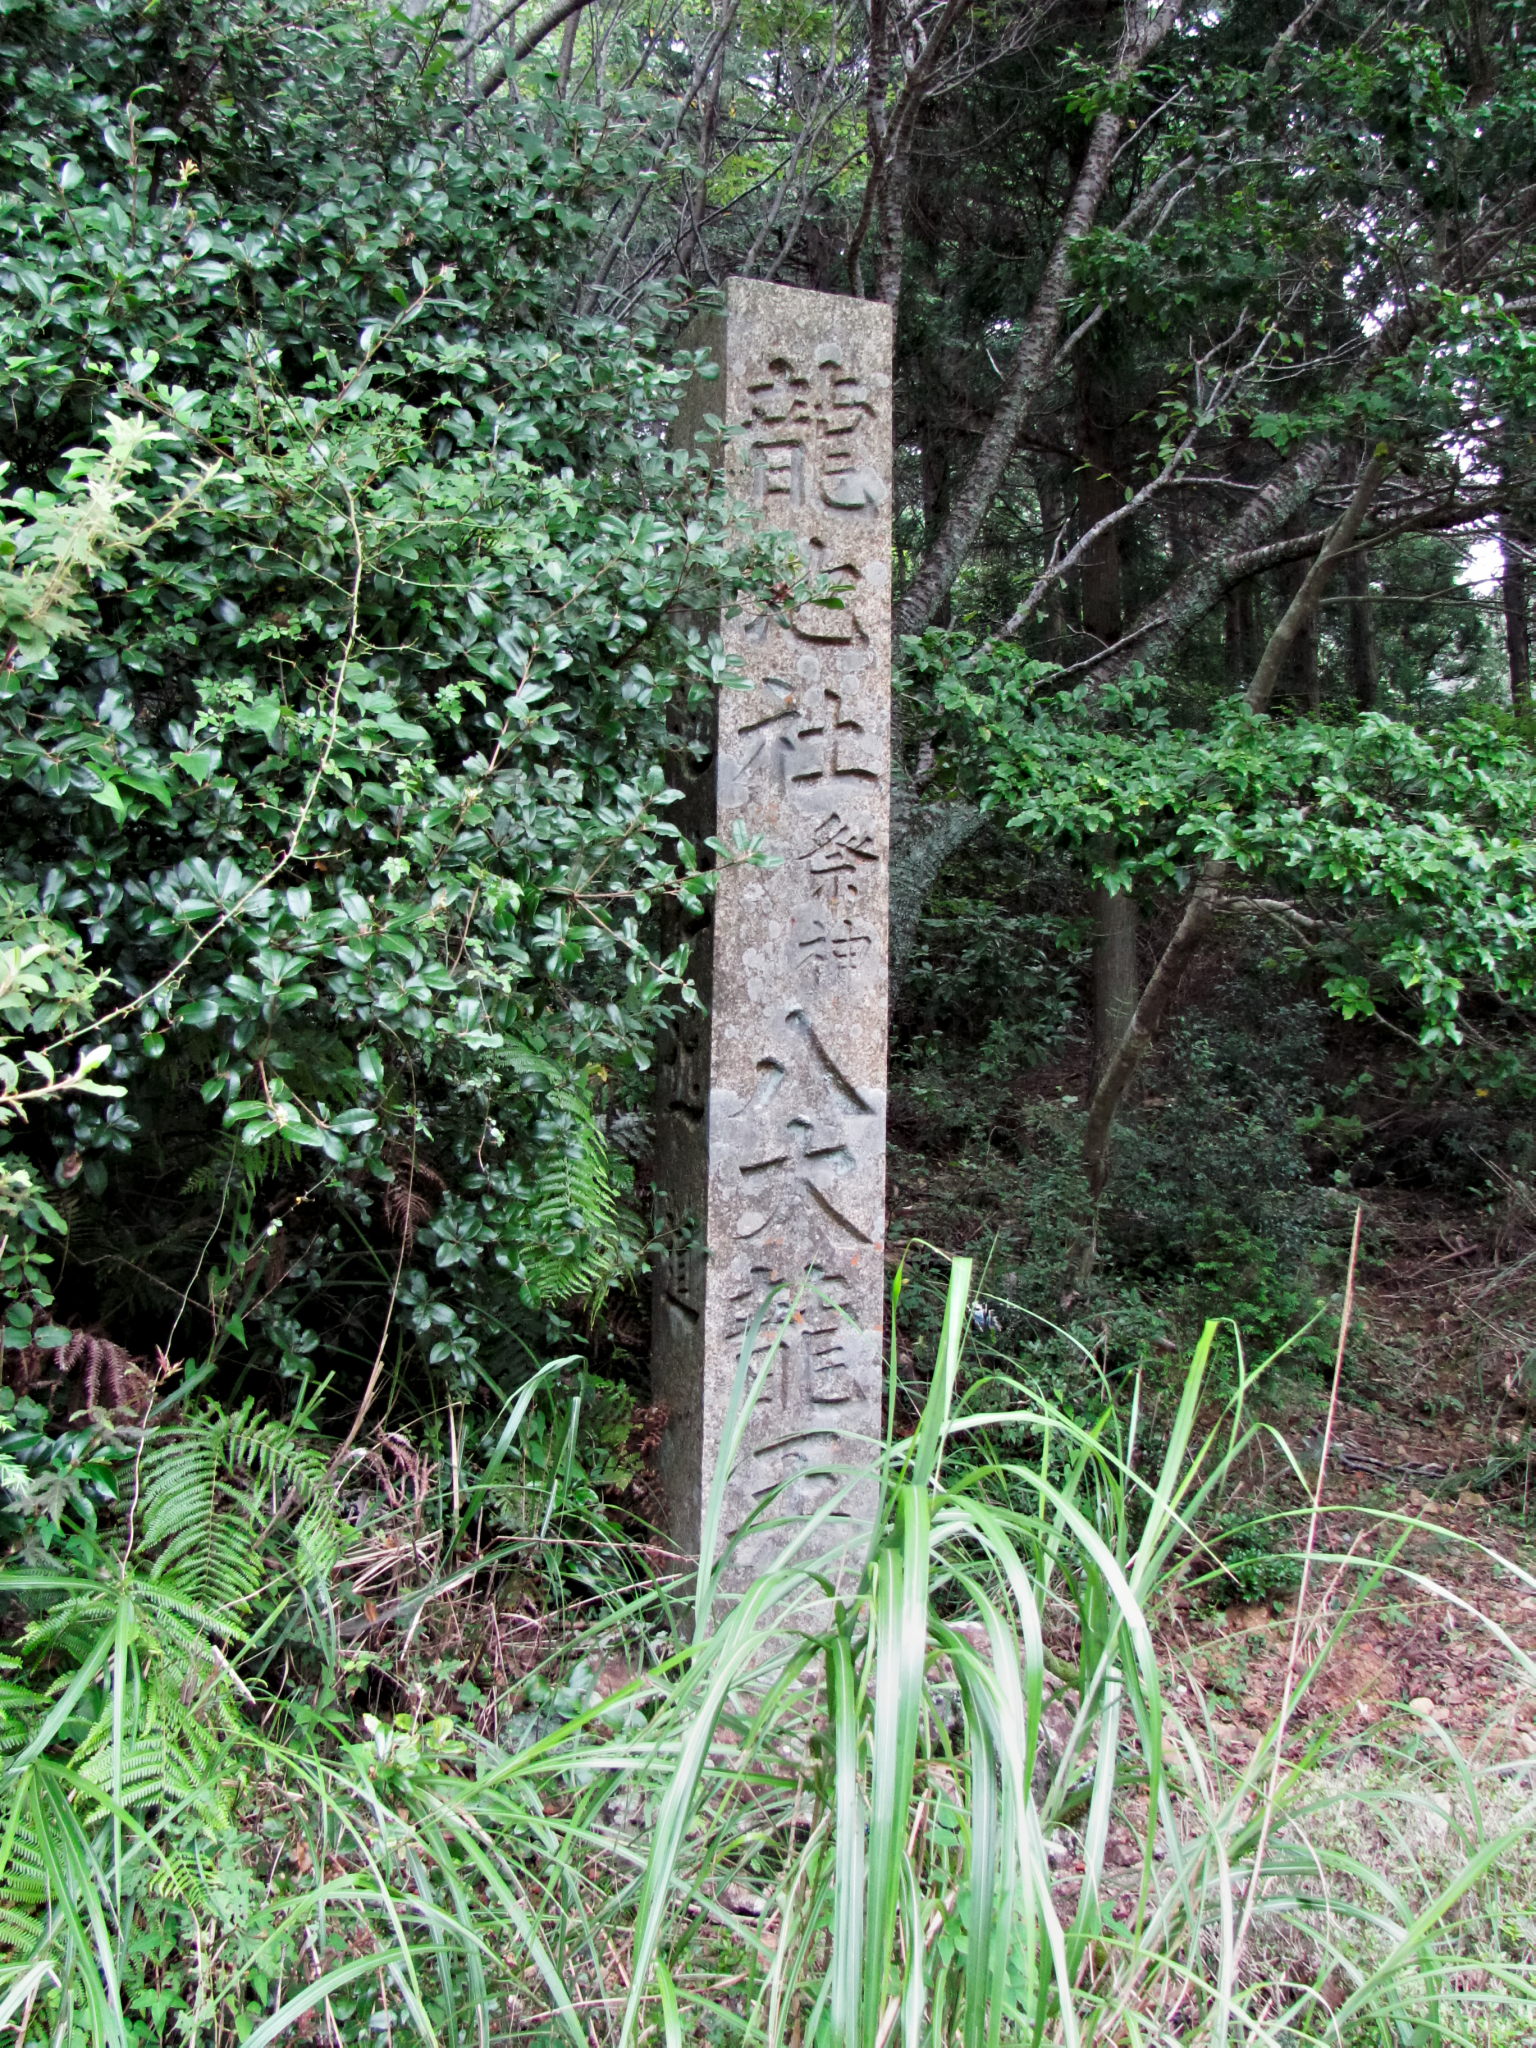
[(261, 716)]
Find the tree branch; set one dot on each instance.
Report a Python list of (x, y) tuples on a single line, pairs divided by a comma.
[(1191, 595), (1304, 603), (1036, 353), (1205, 898), (525, 47), (481, 36)]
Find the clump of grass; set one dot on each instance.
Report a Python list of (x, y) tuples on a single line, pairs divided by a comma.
[(934, 1790)]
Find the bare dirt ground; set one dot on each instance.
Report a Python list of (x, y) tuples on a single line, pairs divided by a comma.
[(1433, 1477)]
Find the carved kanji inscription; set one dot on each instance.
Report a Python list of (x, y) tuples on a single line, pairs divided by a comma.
[(817, 434), (769, 1156), (832, 946)]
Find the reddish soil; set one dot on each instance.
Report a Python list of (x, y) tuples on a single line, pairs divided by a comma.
[(1436, 1377)]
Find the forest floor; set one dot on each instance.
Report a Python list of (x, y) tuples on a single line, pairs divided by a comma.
[(1426, 1565), (1427, 1508)]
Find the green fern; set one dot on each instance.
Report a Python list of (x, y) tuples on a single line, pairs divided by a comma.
[(17, 1930), (210, 1494), (130, 1737), (576, 1236)]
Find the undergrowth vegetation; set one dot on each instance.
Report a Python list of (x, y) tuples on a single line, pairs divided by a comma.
[(937, 1789), (1226, 1199)]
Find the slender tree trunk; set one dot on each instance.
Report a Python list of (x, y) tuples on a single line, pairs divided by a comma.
[(1232, 638), (923, 836), (934, 471), (1098, 494), (1116, 986), (1360, 631), (1031, 366), (1199, 912), (691, 251), (889, 130), (1517, 625), (1148, 1018), (877, 123), (1306, 681), (1243, 645), (1053, 512), (891, 252), (1299, 682), (1034, 359)]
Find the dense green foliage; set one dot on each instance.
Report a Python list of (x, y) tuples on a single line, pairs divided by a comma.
[(349, 770), (1419, 840)]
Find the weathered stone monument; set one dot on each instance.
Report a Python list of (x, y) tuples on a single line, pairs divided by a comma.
[(770, 1149)]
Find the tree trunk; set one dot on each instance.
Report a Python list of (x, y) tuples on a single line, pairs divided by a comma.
[(1243, 646), (1232, 638), (923, 836), (1098, 494), (1031, 366), (1053, 512), (1306, 684), (1116, 986), (1517, 625), (1360, 635), (1034, 360), (1299, 681), (1190, 596), (1148, 1018), (889, 132)]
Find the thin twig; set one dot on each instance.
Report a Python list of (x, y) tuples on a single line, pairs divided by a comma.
[(1298, 1624), (562, 11)]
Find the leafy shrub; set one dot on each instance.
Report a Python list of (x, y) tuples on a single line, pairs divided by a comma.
[(991, 983), (351, 778), (1252, 1558)]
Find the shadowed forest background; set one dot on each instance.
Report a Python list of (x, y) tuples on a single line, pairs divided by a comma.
[(351, 593)]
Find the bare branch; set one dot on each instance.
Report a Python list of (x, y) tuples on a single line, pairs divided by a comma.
[(1036, 353), (546, 25)]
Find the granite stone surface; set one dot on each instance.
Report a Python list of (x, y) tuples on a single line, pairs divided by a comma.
[(770, 1152)]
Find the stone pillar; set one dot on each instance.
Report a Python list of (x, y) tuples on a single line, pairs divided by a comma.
[(770, 1147)]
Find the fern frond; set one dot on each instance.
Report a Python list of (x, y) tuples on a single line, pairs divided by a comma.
[(175, 1761), (178, 1877), (320, 1542), (274, 1451), (577, 1243), (208, 1487), (17, 1930)]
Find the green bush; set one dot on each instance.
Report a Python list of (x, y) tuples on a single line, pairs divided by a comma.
[(350, 774)]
